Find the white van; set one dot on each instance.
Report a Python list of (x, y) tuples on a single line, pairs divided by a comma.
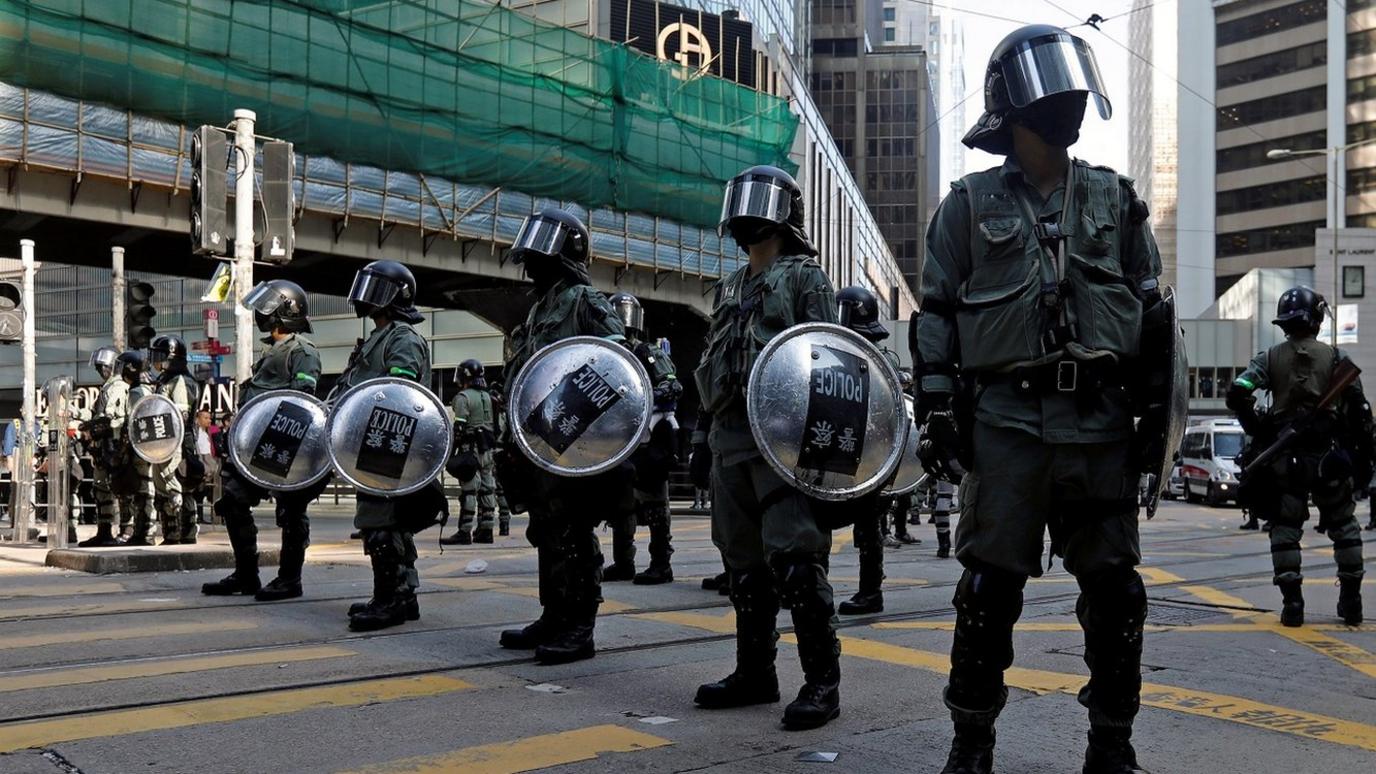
[(1208, 461)]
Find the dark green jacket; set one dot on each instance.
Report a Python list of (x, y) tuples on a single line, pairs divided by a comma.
[(290, 364)]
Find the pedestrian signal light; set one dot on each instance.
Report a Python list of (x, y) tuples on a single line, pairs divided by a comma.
[(139, 314)]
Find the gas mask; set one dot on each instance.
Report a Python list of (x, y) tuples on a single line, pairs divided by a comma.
[(1055, 119)]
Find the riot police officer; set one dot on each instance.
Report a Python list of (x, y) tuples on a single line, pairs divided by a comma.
[(290, 362), (474, 439), (553, 247), (1038, 291), (657, 456), (167, 354), (1330, 454), (858, 310), (767, 532), (135, 474), (385, 292), (106, 429)]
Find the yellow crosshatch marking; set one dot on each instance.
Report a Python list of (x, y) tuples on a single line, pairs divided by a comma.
[(50, 678), (529, 754)]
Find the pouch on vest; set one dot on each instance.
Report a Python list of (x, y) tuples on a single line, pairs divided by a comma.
[(1000, 325)]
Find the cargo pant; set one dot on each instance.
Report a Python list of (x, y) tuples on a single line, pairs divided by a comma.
[(1018, 487), (111, 510), (168, 499), (480, 495), (1284, 502)]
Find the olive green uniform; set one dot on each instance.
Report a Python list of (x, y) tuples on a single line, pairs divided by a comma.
[(112, 406), (564, 512), (142, 472), (868, 531), (656, 455), (1298, 373), (292, 363), (474, 430), (773, 547), (1046, 332), (394, 349), (178, 515)]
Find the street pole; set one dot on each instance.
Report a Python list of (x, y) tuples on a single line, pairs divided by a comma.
[(1333, 328), (23, 464), (243, 243), (117, 297)]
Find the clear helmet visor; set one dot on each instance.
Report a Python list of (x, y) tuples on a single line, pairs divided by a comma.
[(372, 289), (263, 299), (746, 198), (539, 235), (103, 359), (630, 313), (1053, 65)]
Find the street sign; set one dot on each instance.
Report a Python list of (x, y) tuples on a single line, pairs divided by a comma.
[(212, 323), (198, 358)]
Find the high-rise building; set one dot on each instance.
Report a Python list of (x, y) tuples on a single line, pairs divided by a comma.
[(879, 104), (1298, 75)]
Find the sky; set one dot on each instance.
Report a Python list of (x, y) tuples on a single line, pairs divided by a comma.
[(1101, 142)]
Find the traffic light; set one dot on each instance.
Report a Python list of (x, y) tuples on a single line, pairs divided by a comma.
[(279, 202), (138, 315), (209, 192), (11, 312)]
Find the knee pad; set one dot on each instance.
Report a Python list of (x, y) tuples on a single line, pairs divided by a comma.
[(798, 576), (753, 591), (1115, 594), (381, 544), (988, 585)]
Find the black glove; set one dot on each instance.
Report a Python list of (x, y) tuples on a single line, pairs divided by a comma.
[(1241, 402), (700, 466), (940, 447)]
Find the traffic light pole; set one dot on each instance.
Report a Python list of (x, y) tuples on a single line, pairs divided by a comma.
[(243, 242), (117, 296), (23, 466)]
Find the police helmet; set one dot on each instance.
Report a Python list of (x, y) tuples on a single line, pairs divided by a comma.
[(385, 286), (131, 366), (764, 200), (470, 372), (281, 304), (167, 352), (1300, 308), (1029, 65), (552, 233), (103, 360), (858, 310), (627, 308)]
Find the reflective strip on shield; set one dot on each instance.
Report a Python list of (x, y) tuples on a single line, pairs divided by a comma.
[(575, 403), (837, 412), (281, 439)]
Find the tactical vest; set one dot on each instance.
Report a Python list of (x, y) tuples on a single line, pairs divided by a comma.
[(1299, 372), (548, 323), (479, 403), (741, 327), (272, 370), (1008, 308)]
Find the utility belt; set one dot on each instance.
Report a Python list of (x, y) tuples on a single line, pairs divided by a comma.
[(1066, 376)]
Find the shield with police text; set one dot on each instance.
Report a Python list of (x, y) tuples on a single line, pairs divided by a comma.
[(388, 437), (155, 429), (580, 406), (826, 410), (278, 441), (909, 471)]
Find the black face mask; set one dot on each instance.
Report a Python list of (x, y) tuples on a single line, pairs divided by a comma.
[(751, 231), (1056, 119), (543, 270)]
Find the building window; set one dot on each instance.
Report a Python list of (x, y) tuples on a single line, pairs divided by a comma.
[(1254, 154), (1260, 197), (1277, 19), (1361, 43), (890, 14), (889, 35), (1265, 240), (1285, 105), (1279, 63)]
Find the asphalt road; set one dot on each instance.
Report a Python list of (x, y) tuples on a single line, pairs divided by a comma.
[(128, 673)]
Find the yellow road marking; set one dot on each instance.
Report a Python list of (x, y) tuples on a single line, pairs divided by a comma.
[(529, 754), (1221, 598), (1344, 653), (839, 540), (1155, 576), (1071, 626), (16, 613), (41, 733), (1189, 701), (61, 590), (607, 606), (720, 624), (130, 633), (467, 584), (23, 681)]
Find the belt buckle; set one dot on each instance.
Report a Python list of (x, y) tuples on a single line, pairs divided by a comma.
[(1067, 376)]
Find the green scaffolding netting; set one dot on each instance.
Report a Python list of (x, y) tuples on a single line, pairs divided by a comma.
[(458, 88)]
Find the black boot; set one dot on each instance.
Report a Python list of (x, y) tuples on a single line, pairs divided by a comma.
[(391, 603), (870, 597), (943, 545), (232, 584), (71, 536), (104, 538), (755, 680), (244, 579), (574, 641), (661, 548), (287, 584), (482, 535), (1110, 752), (804, 590), (972, 750), (531, 636), (720, 583), (461, 537), (654, 575), (504, 529), (620, 571), (862, 603), (1350, 600), (410, 607), (1251, 522), (1292, 604)]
